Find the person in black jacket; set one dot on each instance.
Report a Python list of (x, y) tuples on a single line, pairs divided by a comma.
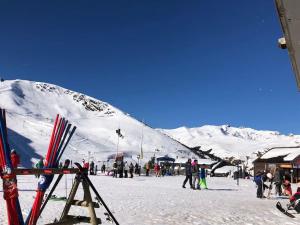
[(92, 166), (278, 181), (131, 167), (188, 173)]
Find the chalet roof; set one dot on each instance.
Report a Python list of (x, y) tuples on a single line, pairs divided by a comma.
[(288, 153)]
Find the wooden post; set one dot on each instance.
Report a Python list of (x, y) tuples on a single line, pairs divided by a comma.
[(88, 199), (70, 198)]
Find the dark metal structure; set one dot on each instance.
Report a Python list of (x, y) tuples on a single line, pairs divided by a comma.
[(289, 15)]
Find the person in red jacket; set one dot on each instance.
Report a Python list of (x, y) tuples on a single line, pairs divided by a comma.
[(15, 158)]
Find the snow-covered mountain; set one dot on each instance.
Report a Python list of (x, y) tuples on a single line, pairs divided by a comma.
[(226, 141), (32, 106)]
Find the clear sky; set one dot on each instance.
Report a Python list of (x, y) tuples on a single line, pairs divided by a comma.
[(172, 63)]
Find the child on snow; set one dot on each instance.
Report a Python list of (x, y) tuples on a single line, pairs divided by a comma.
[(203, 178)]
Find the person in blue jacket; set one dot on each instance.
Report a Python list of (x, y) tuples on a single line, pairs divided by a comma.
[(260, 179)]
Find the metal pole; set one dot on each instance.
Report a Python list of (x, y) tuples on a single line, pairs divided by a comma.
[(66, 185), (118, 146)]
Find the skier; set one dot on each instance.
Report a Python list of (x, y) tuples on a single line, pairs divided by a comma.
[(131, 167), (15, 158), (188, 173), (195, 174), (203, 178), (126, 168)]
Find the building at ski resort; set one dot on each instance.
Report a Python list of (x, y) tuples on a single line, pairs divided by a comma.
[(286, 158)]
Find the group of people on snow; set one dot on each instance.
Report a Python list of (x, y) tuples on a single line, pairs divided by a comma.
[(195, 174), (121, 169), (280, 179), (163, 170)]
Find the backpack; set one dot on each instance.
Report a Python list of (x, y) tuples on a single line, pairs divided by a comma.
[(257, 179)]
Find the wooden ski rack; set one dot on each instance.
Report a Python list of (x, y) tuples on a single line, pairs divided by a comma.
[(87, 202)]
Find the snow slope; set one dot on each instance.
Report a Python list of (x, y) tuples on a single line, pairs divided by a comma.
[(226, 141), (32, 106)]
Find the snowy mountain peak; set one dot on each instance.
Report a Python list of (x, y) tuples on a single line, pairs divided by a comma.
[(90, 104), (32, 106)]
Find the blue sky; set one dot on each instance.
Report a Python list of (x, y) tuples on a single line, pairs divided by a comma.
[(172, 63)]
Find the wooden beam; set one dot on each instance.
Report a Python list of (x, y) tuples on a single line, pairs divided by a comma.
[(69, 220), (48, 171), (84, 203)]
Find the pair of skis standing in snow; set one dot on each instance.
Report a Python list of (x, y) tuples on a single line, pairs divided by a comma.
[(196, 179), (8, 161)]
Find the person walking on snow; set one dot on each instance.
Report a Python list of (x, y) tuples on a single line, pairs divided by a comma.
[(195, 174), (203, 178), (188, 173)]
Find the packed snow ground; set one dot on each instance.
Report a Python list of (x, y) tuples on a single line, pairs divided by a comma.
[(150, 200)]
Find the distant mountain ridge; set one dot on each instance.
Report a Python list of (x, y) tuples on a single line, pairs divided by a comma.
[(226, 141)]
